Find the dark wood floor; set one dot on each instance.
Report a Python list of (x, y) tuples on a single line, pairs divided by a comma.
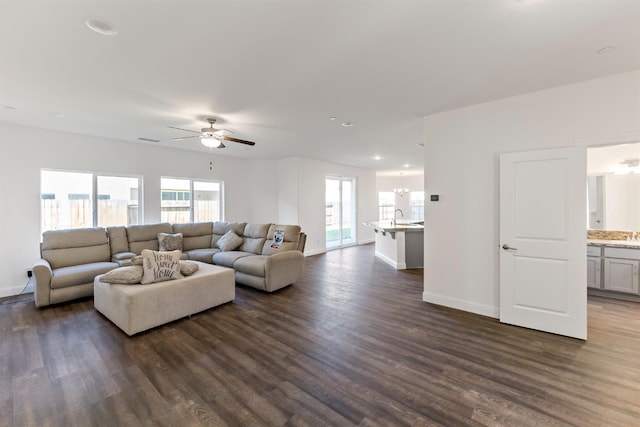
[(350, 344)]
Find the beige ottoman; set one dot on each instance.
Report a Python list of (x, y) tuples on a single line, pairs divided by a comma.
[(136, 308)]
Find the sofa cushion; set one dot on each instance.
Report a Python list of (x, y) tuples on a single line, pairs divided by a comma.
[(160, 266), (196, 235), (74, 238), (79, 274), (220, 228), (63, 248), (123, 275), (202, 255), (290, 238), (118, 239), (254, 265), (170, 242), (145, 236), (254, 237), (229, 241), (227, 259), (70, 257)]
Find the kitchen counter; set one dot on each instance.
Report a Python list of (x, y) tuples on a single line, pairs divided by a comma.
[(393, 226), (399, 243)]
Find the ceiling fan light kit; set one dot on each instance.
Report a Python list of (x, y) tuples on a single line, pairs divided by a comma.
[(211, 137), (210, 142)]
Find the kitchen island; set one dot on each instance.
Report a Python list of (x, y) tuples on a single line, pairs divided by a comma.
[(399, 243)]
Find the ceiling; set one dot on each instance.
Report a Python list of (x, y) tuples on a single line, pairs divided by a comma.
[(274, 72), (612, 158)]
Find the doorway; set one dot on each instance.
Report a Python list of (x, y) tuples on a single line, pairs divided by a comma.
[(613, 215), (340, 211)]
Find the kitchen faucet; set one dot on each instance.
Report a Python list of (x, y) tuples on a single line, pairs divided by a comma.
[(393, 221)]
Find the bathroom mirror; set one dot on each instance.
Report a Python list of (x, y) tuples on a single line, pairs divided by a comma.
[(613, 202)]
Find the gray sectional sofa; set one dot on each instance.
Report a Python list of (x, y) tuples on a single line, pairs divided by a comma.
[(72, 258)]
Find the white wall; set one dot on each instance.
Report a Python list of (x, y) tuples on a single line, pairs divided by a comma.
[(622, 202), (309, 201), (288, 191), (461, 165), (250, 185)]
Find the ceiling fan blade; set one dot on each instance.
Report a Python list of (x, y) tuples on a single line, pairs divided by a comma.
[(241, 141), (186, 130), (184, 137)]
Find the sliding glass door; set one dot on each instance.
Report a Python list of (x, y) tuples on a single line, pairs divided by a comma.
[(340, 211)]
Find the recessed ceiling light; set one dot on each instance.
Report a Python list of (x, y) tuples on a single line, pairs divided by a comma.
[(377, 158), (100, 26), (332, 118), (420, 144), (348, 124), (406, 165), (606, 49)]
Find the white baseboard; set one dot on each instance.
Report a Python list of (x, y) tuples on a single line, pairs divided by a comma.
[(396, 265), (17, 290), (324, 250), (315, 252), (482, 310)]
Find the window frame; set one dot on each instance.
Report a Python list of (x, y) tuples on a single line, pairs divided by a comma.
[(191, 195), (94, 196)]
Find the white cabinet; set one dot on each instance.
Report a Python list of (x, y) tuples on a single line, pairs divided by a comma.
[(594, 267), (621, 267), (594, 272)]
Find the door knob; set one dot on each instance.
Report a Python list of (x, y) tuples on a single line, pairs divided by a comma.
[(508, 248)]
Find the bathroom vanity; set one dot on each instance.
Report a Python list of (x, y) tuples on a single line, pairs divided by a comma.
[(613, 267), (399, 243)]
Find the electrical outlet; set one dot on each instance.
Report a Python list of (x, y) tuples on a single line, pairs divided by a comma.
[(29, 273)]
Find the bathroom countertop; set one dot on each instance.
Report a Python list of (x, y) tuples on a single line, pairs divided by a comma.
[(632, 244)]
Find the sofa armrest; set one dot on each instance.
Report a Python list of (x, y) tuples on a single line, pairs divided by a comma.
[(42, 273), (283, 269), (123, 258)]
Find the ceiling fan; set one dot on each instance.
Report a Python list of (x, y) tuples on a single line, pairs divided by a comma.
[(212, 137)]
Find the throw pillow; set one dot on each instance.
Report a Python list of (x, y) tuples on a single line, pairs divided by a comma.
[(160, 266), (170, 242), (229, 241), (136, 260), (278, 238), (123, 275), (187, 268)]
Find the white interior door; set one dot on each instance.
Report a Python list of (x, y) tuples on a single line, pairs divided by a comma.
[(543, 259)]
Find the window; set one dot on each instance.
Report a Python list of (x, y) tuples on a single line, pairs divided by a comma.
[(84, 199), (186, 200), (60, 206), (417, 204), (118, 200), (386, 205)]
